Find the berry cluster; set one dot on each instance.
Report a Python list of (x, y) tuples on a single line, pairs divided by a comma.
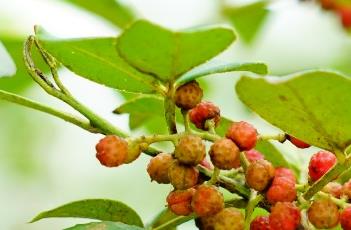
[(195, 192), (341, 8)]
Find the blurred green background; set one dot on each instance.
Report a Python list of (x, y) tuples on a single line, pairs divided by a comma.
[(46, 162)]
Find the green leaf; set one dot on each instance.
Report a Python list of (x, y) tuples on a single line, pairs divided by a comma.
[(167, 54), (99, 209), (97, 60), (305, 106), (7, 67), (163, 217), (273, 155), (104, 226), (201, 71), (248, 19), (111, 10)]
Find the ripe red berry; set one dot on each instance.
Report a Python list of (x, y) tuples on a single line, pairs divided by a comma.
[(346, 190), (243, 134), (345, 219), (282, 190), (158, 168), (297, 142), (284, 216), (320, 163), (188, 95), (323, 214), (328, 4), (334, 189), (253, 155), (179, 201), (207, 201), (345, 14), (225, 154), (112, 151), (202, 112), (286, 173), (260, 223), (182, 176), (228, 218), (190, 150), (259, 174)]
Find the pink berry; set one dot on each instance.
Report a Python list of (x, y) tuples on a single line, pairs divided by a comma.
[(320, 163)]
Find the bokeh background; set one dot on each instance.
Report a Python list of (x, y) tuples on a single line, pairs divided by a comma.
[(45, 162)]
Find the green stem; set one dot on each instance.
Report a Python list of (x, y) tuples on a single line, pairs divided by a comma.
[(281, 137), (207, 136), (170, 110), (244, 161), (157, 138), (175, 222), (186, 121), (339, 202), (84, 124), (215, 176), (253, 202)]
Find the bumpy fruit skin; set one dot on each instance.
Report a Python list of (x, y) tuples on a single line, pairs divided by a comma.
[(346, 190), (345, 14), (320, 163), (158, 168), (190, 150), (202, 112), (228, 218), (207, 201), (253, 155), (188, 95), (225, 154), (297, 142), (179, 201), (345, 219), (259, 174), (112, 151), (323, 214), (284, 216), (260, 223), (334, 189), (283, 190), (182, 176), (243, 134)]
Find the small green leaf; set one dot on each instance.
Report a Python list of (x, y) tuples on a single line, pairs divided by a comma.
[(97, 60), (201, 71), (99, 209), (104, 226), (248, 19), (111, 10), (304, 106), (166, 54)]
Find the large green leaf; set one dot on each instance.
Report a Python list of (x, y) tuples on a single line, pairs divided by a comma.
[(248, 19), (201, 71), (96, 59), (313, 106), (167, 54), (112, 10), (7, 67), (104, 226), (99, 209)]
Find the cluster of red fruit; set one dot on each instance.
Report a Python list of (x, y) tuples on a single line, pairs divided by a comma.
[(340, 7), (193, 195)]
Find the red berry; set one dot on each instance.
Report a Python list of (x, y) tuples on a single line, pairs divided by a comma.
[(284, 216), (190, 150), (285, 172), (243, 134), (346, 189), (202, 112), (112, 151), (334, 189), (282, 190), (206, 164), (260, 223), (225, 154), (228, 218), (345, 14), (207, 201), (253, 155), (182, 176), (188, 95), (320, 163), (297, 142), (328, 4), (179, 201), (345, 219), (259, 174), (158, 168), (323, 214)]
